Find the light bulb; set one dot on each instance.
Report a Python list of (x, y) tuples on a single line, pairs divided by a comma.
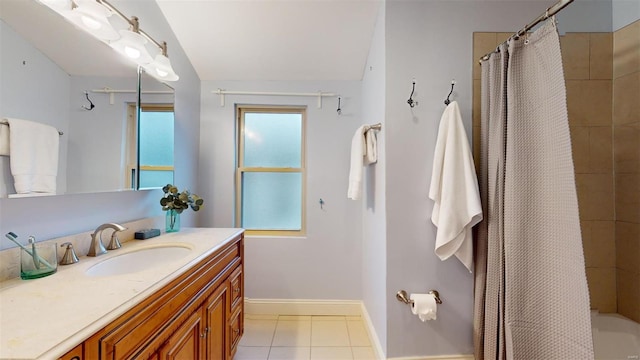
[(161, 73), (132, 52), (91, 23)]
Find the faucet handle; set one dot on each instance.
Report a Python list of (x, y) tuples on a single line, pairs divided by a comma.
[(69, 256), (115, 242)]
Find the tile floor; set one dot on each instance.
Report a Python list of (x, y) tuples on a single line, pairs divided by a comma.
[(304, 338)]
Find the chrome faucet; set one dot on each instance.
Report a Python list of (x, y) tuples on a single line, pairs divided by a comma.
[(97, 247)]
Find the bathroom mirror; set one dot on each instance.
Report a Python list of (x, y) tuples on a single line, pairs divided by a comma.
[(54, 73)]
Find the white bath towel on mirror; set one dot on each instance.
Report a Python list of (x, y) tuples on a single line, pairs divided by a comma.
[(358, 150), (33, 156), (454, 189)]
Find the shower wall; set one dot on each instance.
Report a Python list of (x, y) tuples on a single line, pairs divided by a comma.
[(602, 74), (626, 139), (588, 66)]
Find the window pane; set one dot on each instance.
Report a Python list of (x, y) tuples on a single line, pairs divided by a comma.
[(271, 201), (272, 140), (155, 178), (156, 138)]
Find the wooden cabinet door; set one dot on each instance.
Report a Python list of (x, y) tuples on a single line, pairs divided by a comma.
[(76, 353), (186, 342), (216, 310)]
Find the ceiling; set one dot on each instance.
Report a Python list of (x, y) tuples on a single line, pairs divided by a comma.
[(274, 39)]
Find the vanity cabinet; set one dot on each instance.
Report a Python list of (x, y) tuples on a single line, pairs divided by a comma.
[(196, 316)]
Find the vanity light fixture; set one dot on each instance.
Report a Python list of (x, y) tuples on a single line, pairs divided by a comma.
[(161, 66), (132, 44), (93, 18)]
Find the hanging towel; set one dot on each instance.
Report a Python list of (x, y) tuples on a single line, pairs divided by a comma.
[(454, 188), (371, 156), (358, 150), (33, 156)]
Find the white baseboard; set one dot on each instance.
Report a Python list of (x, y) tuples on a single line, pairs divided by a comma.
[(373, 335), (302, 307), (331, 307)]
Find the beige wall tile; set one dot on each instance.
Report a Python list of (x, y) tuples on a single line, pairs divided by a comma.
[(600, 149), (477, 97), (626, 92), (595, 196), (476, 147), (483, 43), (628, 247), (602, 289), (589, 102), (626, 50), (502, 37), (628, 296), (575, 55), (601, 56), (600, 245), (627, 148), (580, 148), (627, 197)]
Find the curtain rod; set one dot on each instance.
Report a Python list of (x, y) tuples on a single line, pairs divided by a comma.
[(318, 94), (552, 10)]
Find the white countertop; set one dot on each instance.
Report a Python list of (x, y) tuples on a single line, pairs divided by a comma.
[(47, 317)]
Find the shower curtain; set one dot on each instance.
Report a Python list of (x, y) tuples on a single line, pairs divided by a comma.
[(531, 295)]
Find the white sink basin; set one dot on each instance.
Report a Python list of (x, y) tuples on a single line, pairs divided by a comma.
[(139, 260)]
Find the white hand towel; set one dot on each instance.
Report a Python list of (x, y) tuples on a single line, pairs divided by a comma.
[(33, 149), (454, 188), (371, 156), (358, 150)]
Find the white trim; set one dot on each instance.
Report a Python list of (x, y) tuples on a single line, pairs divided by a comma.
[(302, 307), (378, 351)]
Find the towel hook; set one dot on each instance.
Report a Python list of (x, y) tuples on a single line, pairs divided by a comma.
[(411, 102), (339, 110), (91, 105), (447, 101)]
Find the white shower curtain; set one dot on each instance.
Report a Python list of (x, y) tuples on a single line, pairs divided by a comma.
[(531, 295)]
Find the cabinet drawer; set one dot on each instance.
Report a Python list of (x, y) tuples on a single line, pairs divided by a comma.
[(236, 287), (75, 354), (236, 330)]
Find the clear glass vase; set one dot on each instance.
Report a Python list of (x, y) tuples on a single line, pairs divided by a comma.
[(172, 221)]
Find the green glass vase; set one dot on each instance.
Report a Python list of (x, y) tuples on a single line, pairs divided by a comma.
[(172, 221)]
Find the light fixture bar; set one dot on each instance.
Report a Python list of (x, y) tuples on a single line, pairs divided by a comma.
[(133, 23)]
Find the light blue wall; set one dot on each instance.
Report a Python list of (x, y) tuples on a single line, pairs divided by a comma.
[(431, 41), (57, 216), (625, 12), (374, 217), (326, 263)]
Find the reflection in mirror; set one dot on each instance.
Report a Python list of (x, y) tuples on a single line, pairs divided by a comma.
[(47, 65), (155, 128)]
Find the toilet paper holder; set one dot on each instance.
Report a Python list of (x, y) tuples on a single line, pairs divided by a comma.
[(402, 297)]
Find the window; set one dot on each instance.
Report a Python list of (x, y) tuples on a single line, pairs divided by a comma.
[(270, 176), (156, 145)]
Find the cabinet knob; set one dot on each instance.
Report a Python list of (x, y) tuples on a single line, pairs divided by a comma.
[(236, 331), (236, 290)]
